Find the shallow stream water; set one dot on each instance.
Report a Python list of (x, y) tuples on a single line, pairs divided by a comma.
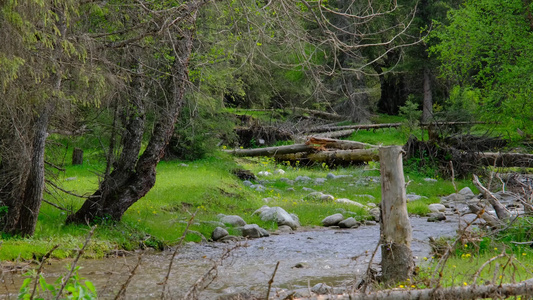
[(332, 256)]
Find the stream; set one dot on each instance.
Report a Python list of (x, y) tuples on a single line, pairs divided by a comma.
[(307, 257)]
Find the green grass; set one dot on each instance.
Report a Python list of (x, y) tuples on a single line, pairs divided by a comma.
[(206, 186)]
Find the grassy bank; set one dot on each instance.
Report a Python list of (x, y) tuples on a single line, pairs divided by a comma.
[(207, 186)]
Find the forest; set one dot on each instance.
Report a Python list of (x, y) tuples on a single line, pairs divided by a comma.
[(120, 117)]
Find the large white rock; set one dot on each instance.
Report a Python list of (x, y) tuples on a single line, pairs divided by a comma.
[(466, 192), (233, 220), (348, 201), (437, 207), (278, 215), (332, 220)]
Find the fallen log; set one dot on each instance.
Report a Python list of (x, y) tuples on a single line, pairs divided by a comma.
[(320, 114), (506, 159), (384, 125), (333, 134), (333, 157), (338, 144), (319, 129), (490, 219), (499, 291), (271, 151), (312, 144), (501, 211)]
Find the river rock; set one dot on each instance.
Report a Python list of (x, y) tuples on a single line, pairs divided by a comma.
[(506, 197), (264, 173), (219, 233), (247, 183), (430, 180), (302, 179), (258, 187), (331, 176), (254, 231), (466, 192), (278, 215), (291, 189), (320, 181), (349, 223), (326, 198), (279, 171), (437, 207), (262, 209), (414, 197), (284, 229), (314, 196), (229, 239), (348, 201), (375, 213), (233, 220), (369, 197), (436, 217), (308, 189), (321, 289), (332, 220)]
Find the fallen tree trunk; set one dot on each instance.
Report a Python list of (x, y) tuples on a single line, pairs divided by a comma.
[(384, 125), (506, 159), (333, 157), (272, 151), (354, 127), (501, 211), (524, 288), (490, 219), (321, 114), (333, 134), (312, 144)]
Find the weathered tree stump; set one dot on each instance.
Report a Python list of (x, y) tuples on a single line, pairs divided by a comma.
[(77, 156), (397, 262)]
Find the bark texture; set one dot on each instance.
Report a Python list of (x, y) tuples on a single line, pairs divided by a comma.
[(134, 176), (493, 291), (427, 104), (397, 260)]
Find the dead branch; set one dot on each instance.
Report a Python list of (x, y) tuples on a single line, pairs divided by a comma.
[(464, 292), (492, 221), (271, 281), (501, 211), (73, 266), (164, 283), (203, 282), (45, 257)]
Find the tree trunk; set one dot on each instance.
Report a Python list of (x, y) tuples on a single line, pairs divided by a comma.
[(311, 145), (492, 291), (24, 210), (134, 177), (397, 260), (77, 156), (427, 105)]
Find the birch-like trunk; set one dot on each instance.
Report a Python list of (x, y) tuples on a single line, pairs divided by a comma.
[(397, 259)]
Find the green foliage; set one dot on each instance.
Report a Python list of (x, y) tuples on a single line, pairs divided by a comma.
[(76, 287), (199, 130), (411, 113), (487, 47)]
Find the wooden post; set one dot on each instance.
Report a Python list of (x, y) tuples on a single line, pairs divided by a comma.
[(77, 156), (397, 262)]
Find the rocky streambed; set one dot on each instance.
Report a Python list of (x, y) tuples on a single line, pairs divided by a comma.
[(306, 257)]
